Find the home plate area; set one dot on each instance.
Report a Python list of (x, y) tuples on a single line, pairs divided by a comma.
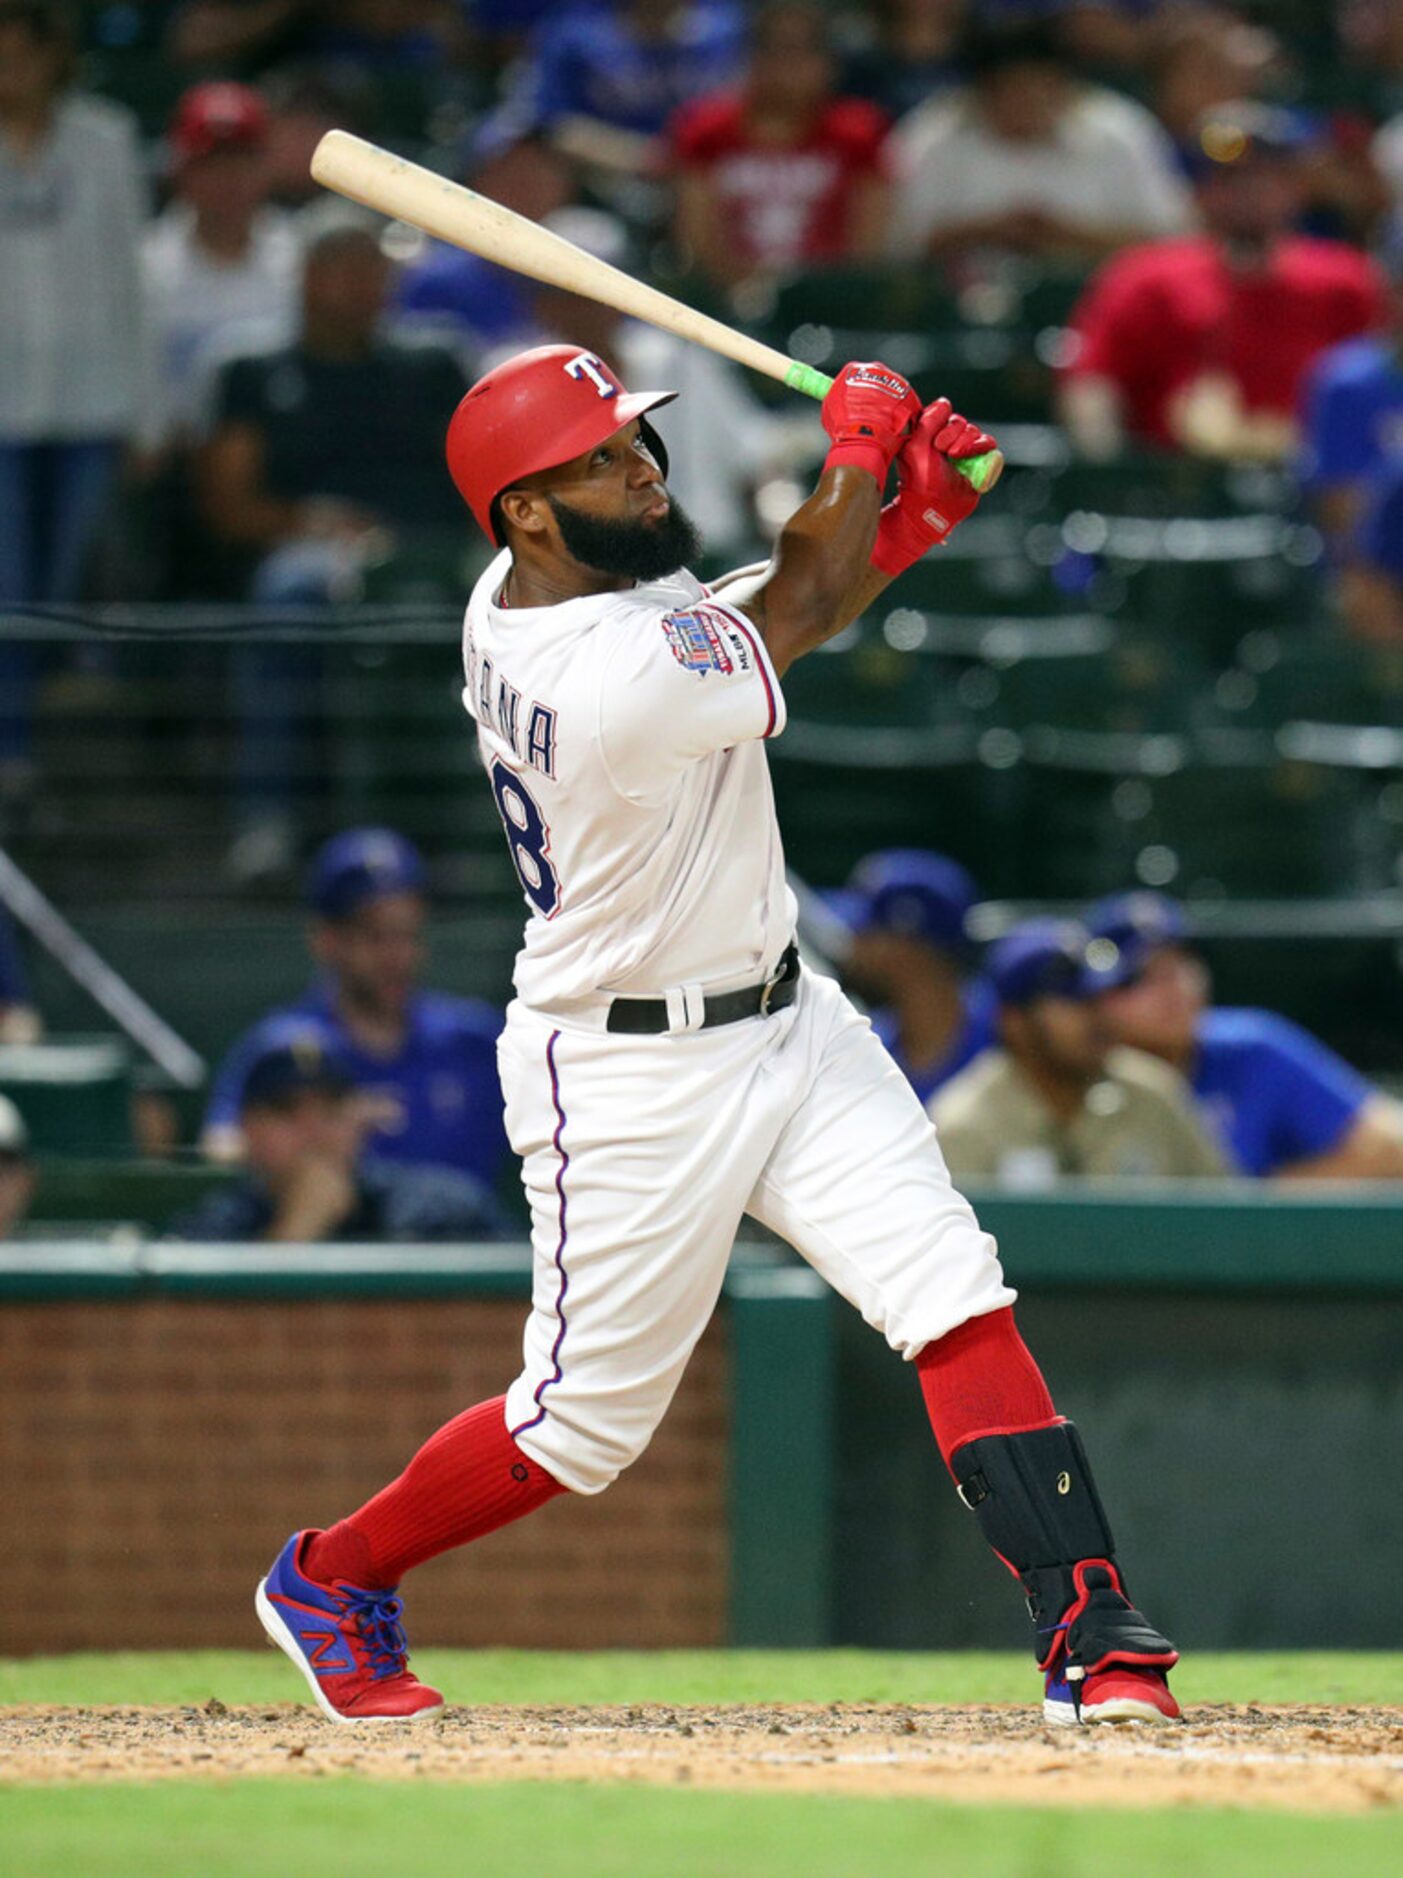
[(1298, 1757)]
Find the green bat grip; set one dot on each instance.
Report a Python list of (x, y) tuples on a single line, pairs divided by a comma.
[(983, 471)]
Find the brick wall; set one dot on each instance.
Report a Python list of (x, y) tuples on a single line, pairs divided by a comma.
[(155, 1455)]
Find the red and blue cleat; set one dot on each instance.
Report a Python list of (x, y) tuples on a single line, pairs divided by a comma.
[(347, 1641), (1115, 1694)]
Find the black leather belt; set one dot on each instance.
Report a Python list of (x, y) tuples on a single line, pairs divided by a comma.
[(648, 1017)]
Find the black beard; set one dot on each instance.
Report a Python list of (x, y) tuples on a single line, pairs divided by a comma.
[(635, 550)]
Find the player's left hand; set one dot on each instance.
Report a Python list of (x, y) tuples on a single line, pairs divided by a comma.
[(870, 411), (932, 498)]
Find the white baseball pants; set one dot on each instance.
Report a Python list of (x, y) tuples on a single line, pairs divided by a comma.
[(641, 1154)]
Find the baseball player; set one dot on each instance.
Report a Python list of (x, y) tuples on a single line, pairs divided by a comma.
[(668, 1065)]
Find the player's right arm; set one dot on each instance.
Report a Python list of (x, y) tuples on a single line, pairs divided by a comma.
[(825, 548)]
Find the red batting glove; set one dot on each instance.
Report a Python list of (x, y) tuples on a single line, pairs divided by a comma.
[(869, 414), (932, 497)]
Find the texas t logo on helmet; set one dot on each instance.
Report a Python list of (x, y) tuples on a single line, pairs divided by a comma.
[(589, 365), (537, 410)]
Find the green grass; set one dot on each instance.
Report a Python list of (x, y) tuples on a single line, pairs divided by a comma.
[(683, 1676), (342, 1828), (338, 1829)]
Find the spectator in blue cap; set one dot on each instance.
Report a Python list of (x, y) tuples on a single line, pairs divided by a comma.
[(910, 954), (1279, 1101), (307, 1177), (429, 1061), (1054, 1098)]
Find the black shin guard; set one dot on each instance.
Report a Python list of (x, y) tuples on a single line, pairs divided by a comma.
[(1038, 1507)]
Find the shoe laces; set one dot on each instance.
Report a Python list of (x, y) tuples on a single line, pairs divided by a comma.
[(376, 1615)]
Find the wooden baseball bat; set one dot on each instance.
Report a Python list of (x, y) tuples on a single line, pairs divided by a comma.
[(397, 187)]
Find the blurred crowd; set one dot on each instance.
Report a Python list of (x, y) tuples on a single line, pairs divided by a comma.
[(1093, 1048), (217, 383), (369, 1110), (269, 373)]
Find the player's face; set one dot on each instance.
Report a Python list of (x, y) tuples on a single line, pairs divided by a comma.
[(1159, 1012), (376, 954), (609, 511)]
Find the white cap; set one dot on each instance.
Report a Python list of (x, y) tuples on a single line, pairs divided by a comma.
[(14, 1136)]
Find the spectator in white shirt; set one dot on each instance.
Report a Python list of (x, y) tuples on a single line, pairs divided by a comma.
[(72, 208), (220, 267), (1030, 159)]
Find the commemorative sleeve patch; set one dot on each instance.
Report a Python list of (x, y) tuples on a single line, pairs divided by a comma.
[(701, 640)]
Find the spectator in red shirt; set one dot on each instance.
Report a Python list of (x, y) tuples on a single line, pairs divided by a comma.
[(782, 174), (1201, 344)]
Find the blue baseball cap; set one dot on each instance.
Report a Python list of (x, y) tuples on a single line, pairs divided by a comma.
[(909, 890), (1135, 925), (1046, 958), (291, 1061), (363, 864)]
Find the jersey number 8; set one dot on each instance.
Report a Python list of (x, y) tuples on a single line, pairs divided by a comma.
[(528, 838)]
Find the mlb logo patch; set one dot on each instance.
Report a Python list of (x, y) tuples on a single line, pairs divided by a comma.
[(695, 642)]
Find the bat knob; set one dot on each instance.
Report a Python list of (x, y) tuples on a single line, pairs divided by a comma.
[(983, 471)]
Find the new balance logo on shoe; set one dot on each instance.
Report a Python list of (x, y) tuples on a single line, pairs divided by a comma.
[(327, 1654)]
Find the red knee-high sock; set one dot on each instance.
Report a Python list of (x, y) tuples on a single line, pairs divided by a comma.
[(982, 1380), (466, 1480)]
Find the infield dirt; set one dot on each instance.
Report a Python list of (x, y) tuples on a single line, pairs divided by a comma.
[(1299, 1758)]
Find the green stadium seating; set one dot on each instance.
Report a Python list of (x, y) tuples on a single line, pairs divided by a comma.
[(144, 1194), (1251, 831), (73, 1092), (1318, 678), (1138, 687)]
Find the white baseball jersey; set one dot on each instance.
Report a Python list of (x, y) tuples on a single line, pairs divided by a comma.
[(623, 738), (622, 735)]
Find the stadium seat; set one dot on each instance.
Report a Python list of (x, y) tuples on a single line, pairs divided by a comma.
[(1138, 687), (73, 1092), (1320, 678), (1265, 830)]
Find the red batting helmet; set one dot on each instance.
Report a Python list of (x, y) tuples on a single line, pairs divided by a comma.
[(534, 411)]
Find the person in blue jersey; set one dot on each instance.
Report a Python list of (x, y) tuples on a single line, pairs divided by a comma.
[(307, 1177), (603, 80), (429, 1061), (908, 909), (1353, 416), (1281, 1102)]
